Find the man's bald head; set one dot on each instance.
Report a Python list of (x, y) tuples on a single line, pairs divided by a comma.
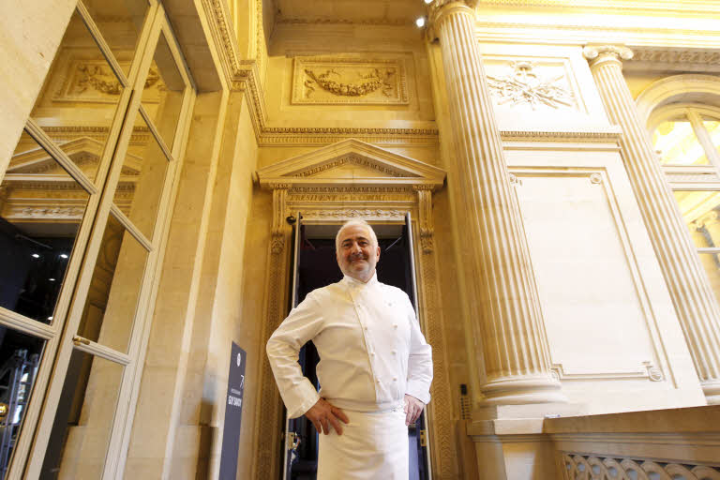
[(356, 223)]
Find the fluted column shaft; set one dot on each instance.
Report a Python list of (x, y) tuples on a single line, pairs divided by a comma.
[(694, 301), (515, 349)]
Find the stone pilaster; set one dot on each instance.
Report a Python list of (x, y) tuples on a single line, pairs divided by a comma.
[(695, 304), (509, 319)]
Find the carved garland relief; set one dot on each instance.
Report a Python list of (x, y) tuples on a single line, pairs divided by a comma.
[(93, 81), (333, 81)]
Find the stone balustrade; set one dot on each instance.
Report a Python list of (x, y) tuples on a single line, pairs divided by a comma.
[(678, 444)]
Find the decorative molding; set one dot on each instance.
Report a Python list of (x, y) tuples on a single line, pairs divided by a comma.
[(647, 370), (578, 466), (349, 80), (396, 22), (602, 134), (654, 373), (350, 159), (62, 133), (675, 56), (336, 215), (440, 413), (427, 229), (18, 212), (686, 178), (390, 138), (277, 244), (317, 136), (596, 178), (522, 85)]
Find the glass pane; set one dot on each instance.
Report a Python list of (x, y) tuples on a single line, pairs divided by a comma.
[(678, 144), (163, 93), (83, 422), (141, 180), (713, 127), (711, 262), (41, 208), (20, 356), (110, 307), (701, 212), (77, 104), (120, 23)]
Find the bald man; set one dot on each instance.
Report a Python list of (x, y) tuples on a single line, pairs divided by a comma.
[(375, 366)]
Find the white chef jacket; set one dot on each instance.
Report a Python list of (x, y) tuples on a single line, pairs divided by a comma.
[(371, 349)]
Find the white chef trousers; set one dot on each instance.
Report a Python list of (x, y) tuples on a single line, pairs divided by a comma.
[(374, 445)]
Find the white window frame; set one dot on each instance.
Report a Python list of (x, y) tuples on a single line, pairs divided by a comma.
[(61, 335)]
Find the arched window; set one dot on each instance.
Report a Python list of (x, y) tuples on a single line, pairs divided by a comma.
[(686, 137)]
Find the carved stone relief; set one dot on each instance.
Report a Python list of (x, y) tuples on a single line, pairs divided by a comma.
[(524, 82), (93, 81), (328, 81)]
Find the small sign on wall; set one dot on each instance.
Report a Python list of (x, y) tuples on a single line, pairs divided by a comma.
[(233, 414)]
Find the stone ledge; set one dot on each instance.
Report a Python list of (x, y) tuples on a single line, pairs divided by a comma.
[(677, 420)]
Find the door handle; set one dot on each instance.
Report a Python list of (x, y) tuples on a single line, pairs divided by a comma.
[(292, 441)]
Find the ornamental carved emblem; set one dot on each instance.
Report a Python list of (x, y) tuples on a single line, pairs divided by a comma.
[(523, 85), (334, 81)]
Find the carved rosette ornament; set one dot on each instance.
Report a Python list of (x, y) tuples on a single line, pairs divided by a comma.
[(695, 304), (510, 325)]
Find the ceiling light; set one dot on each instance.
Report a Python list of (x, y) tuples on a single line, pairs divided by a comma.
[(50, 318), (63, 255), (428, 1), (420, 22), (51, 279), (36, 255)]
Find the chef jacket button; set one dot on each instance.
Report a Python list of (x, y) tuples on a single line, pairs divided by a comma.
[(378, 381), (372, 354), (366, 329), (394, 352), (394, 379), (395, 325)]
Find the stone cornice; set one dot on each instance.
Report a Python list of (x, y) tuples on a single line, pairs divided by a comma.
[(687, 6), (395, 22), (529, 30)]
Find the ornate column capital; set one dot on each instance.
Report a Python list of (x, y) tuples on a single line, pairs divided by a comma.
[(597, 54), (439, 9)]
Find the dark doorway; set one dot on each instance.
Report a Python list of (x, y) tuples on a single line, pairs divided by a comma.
[(317, 268)]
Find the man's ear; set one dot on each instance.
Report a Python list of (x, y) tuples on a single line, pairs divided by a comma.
[(378, 252)]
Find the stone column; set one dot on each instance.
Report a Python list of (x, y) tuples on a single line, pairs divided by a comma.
[(511, 329), (696, 307)]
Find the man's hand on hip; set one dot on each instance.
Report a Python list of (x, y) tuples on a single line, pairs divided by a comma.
[(413, 409), (323, 414)]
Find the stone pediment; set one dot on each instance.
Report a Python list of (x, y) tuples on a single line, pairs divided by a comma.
[(350, 162), (85, 152)]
